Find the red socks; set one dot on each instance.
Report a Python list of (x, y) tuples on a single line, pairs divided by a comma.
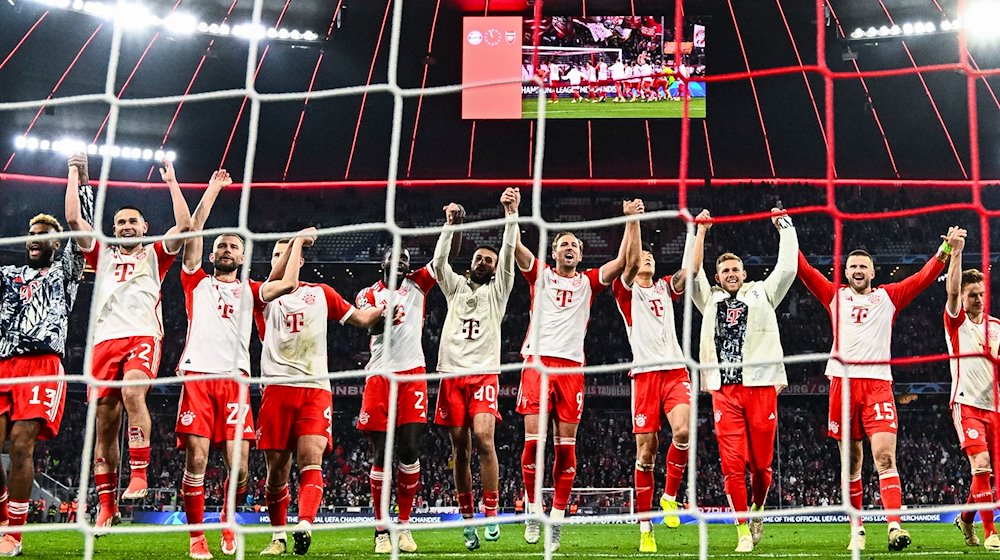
[(644, 487), (528, 466), (310, 492), (138, 460), (375, 479), (3, 504), (407, 484), (677, 462), (981, 492), (857, 495), (17, 514), (277, 505), (107, 489), (491, 498), (563, 471), (193, 495), (465, 505), (892, 492)]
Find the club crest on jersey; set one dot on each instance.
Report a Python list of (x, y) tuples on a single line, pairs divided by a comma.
[(403, 290), (577, 280), (658, 288), (833, 427), (972, 433), (237, 292), (187, 418), (874, 299), (309, 299), (718, 415), (363, 418), (471, 302), (640, 420)]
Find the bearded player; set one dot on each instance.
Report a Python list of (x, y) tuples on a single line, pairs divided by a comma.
[(406, 357), (660, 388), (296, 410), (127, 335), (220, 314), (968, 330), (862, 318), (740, 325), (470, 343), (35, 302), (563, 312)]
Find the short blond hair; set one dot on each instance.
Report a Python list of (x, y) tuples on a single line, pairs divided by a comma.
[(727, 257), (561, 234), (46, 219)]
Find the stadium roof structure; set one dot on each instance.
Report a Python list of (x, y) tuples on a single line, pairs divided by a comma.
[(906, 126)]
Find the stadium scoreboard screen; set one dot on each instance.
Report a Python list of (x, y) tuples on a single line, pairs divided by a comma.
[(590, 67)]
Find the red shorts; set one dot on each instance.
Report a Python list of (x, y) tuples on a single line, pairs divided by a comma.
[(286, 413), (33, 401), (565, 390), (112, 358), (211, 409), (460, 399), (411, 402), (975, 428), (653, 391), (872, 409)]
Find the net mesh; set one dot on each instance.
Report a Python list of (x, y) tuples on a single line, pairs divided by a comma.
[(830, 208)]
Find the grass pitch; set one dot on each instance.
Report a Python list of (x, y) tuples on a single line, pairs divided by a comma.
[(566, 109), (813, 541)]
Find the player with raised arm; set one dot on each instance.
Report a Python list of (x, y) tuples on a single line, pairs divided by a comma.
[(35, 302), (740, 325), (662, 387), (862, 318), (564, 310), (470, 342), (968, 330), (296, 409), (406, 357), (220, 314), (127, 334)]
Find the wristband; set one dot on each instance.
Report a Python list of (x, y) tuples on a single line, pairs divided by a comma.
[(945, 248)]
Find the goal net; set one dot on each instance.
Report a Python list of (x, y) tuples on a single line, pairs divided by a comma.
[(825, 204)]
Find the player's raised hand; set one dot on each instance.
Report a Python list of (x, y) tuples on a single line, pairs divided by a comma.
[(510, 200), (955, 238), (704, 215), (454, 213), (308, 236), (167, 172), (220, 180), (780, 218), (79, 161), (632, 207)]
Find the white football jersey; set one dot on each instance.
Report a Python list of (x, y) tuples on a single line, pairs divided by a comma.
[(127, 293), (649, 322), (293, 330), (470, 337), (407, 350), (865, 320), (220, 315), (973, 380), (564, 312)]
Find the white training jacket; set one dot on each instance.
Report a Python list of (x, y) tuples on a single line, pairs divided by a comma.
[(762, 342)]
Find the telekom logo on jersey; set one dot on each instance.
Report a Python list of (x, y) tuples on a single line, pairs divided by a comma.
[(859, 314), (294, 322), (123, 271), (657, 306), (470, 328), (564, 297)]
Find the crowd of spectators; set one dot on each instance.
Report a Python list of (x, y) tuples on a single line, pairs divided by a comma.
[(805, 474), (806, 465)]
